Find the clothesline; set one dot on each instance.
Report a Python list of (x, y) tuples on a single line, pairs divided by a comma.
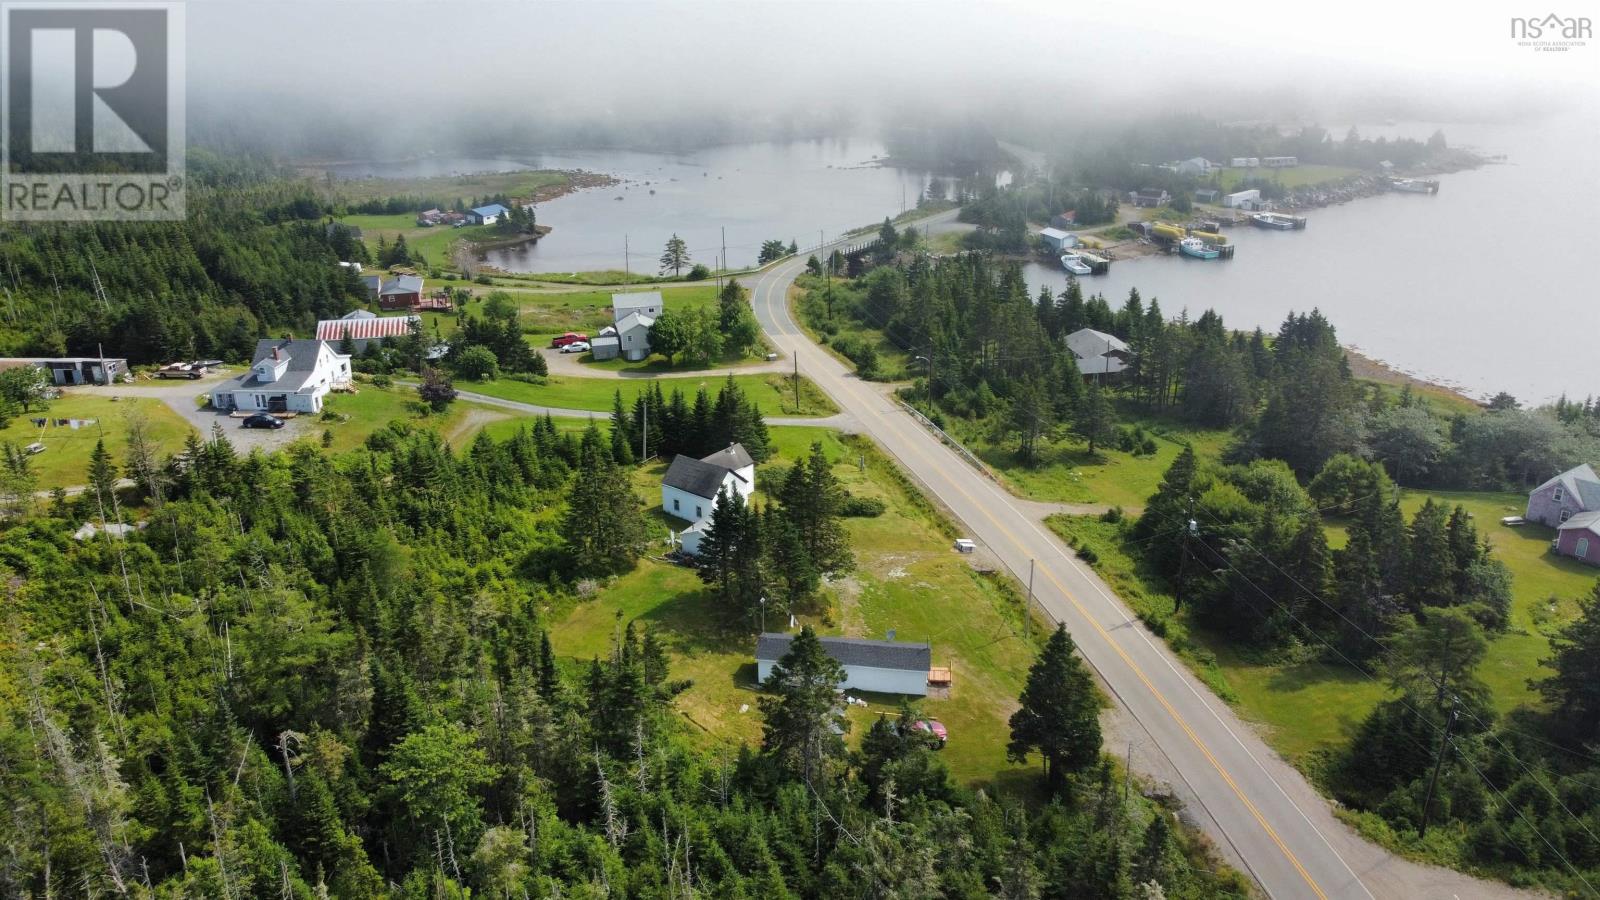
[(73, 424)]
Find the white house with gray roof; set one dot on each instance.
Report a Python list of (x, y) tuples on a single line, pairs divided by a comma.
[(285, 376), (647, 303), (885, 667), (689, 489)]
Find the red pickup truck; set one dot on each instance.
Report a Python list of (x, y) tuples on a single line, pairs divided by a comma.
[(568, 338)]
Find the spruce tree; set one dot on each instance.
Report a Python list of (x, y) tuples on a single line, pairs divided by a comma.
[(804, 726), (1059, 718), (603, 524)]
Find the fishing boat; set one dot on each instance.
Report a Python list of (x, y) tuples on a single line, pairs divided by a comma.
[(1073, 264), (1277, 222), (1414, 186), (1198, 249)]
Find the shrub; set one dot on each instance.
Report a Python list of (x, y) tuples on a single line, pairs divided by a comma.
[(862, 507), (1112, 515), (483, 279), (382, 381), (699, 272), (1087, 554)]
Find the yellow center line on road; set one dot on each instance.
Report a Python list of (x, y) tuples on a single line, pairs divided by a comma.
[(1127, 660)]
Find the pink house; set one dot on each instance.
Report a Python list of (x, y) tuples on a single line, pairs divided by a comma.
[(1579, 538), (1570, 503), (1574, 491)]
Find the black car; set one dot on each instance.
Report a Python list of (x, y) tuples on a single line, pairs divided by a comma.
[(263, 420)]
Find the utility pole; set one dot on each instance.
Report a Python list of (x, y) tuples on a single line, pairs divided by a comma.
[(797, 410), (627, 267), (1438, 763), (1027, 611), (724, 267), (644, 432)]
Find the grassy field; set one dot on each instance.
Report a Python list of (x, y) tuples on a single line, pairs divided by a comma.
[(906, 579), (433, 244), (1068, 473), (449, 188), (1299, 176), (773, 393), (65, 460), (1307, 708)]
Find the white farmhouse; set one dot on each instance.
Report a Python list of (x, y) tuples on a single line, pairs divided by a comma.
[(285, 376), (689, 489), (885, 667), (633, 336)]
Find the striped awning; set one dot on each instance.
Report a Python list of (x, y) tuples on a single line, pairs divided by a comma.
[(365, 329)]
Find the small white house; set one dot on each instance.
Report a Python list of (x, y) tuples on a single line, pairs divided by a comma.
[(1058, 240), (645, 303), (1245, 162), (633, 336), (1238, 199), (1196, 166), (1098, 353), (1279, 162), (488, 215), (285, 376), (689, 489), (885, 667)]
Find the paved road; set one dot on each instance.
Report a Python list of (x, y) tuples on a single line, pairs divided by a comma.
[(1256, 806)]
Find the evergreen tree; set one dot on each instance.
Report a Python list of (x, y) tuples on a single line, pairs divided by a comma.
[(804, 726), (810, 499), (1573, 688), (603, 526), (676, 256), (1096, 422), (1059, 718)]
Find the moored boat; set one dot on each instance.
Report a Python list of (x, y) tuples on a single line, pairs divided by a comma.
[(1073, 264), (1277, 221), (1198, 249)]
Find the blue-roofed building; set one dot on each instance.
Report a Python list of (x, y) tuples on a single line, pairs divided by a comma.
[(488, 215)]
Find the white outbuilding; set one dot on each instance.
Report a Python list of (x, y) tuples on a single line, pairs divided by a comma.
[(884, 667)]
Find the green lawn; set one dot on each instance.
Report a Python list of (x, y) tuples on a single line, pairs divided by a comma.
[(432, 243), (773, 393), (907, 579), (65, 460), (1067, 473), (1299, 176), (1309, 707)]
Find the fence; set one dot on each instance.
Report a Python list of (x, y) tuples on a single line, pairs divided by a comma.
[(944, 438)]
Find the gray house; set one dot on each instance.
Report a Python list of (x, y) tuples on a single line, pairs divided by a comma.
[(1574, 491), (1098, 353), (885, 667), (633, 335), (645, 303)]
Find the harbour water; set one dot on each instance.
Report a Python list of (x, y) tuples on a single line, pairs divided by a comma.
[(1491, 285), (757, 192)]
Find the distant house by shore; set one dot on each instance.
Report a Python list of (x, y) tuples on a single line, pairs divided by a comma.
[(488, 215), (1149, 198)]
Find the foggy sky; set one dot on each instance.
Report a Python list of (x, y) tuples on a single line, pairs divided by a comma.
[(401, 72)]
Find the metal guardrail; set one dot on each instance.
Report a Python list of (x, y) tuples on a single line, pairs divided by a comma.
[(945, 438)]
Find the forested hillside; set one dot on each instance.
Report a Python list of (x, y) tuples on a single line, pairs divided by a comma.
[(312, 676), (252, 258)]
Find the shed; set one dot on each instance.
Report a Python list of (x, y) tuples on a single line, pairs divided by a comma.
[(1065, 220), (1058, 240), (1238, 199), (605, 347), (1207, 195), (488, 215), (887, 667)]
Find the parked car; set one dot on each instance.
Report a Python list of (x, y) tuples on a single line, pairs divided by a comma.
[(932, 729), (181, 370), (568, 338), (576, 347), (262, 420), (965, 545)]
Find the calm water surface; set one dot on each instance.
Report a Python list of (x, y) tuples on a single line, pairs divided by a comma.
[(1490, 285), (757, 192)]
